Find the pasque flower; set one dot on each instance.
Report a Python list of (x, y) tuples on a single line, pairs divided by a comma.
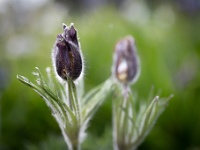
[(73, 111), (132, 120), (126, 62), (66, 55)]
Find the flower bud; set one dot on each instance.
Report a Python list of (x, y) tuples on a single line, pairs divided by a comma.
[(66, 55), (125, 61)]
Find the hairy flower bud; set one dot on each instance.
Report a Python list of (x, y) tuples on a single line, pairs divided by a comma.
[(66, 55), (126, 62)]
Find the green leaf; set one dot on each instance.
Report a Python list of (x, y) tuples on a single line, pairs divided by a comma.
[(95, 99)]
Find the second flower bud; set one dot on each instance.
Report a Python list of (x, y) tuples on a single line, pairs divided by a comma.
[(125, 61)]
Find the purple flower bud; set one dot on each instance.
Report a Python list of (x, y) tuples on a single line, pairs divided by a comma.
[(66, 56), (126, 62)]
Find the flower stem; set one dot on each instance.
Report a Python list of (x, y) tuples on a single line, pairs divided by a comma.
[(76, 146)]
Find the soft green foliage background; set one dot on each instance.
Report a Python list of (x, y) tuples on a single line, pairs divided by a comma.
[(169, 61)]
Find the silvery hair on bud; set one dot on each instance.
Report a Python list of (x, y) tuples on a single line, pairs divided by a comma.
[(67, 58)]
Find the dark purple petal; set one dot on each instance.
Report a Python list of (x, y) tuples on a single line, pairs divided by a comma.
[(66, 54)]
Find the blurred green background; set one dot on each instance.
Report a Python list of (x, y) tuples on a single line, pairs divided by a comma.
[(167, 35)]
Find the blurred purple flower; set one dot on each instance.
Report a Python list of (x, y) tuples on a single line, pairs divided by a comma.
[(126, 62)]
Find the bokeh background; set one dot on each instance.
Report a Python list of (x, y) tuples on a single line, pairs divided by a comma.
[(167, 35)]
